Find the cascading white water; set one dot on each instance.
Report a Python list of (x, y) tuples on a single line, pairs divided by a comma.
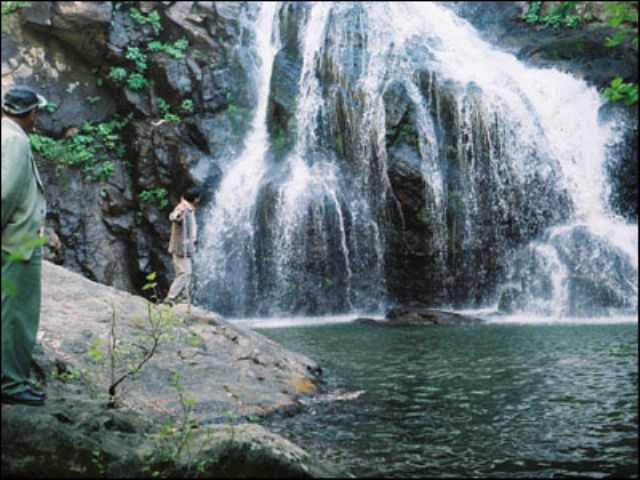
[(227, 251), (509, 126)]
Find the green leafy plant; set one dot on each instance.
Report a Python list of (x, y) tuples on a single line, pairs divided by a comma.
[(176, 440), (88, 150), (186, 105), (94, 99), (532, 15), (177, 50), (564, 14), (138, 57), (117, 74), (620, 91), (165, 109), (51, 107), (10, 7), (137, 81), (625, 19), (47, 147), (128, 357), (98, 461), (153, 19), (82, 375), (623, 16), (156, 196)]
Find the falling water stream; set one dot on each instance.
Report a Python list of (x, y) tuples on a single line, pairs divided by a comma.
[(400, 106), (497, 143)]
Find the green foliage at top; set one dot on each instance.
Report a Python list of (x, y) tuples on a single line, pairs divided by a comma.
[(565, 14), (10, 7), (625, 19), (153, 19), (89, 150)]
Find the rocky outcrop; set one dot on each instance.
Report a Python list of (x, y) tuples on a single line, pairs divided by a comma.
[(230, 373), (66, 50)]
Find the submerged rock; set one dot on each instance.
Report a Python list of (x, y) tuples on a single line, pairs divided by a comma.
[(510, 300), (419, 317)]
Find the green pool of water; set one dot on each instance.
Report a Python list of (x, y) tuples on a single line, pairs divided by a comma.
[(486, 401)]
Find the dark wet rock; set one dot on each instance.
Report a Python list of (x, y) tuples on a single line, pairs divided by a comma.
[(63, 438), (83, 26), (417, 317), (283, 96), (622, 167), (369, 321), (414, 260), (293, 16), (173, 78), (396, 104), (510, 300), (598, 271)]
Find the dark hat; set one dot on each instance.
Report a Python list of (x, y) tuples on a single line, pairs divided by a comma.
[(22, 99)]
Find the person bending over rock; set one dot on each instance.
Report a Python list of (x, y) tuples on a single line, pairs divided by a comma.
[(23, 214), (182, 245)]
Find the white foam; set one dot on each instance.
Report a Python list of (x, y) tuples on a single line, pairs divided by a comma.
[(298, 321)]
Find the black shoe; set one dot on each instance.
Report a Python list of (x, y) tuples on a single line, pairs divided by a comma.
[(26, 397), (37, 393)]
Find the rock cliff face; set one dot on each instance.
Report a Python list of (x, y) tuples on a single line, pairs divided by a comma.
[(66, 50), (232, 374)]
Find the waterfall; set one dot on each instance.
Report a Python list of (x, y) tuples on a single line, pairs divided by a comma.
[(227, 254), (395, 156)]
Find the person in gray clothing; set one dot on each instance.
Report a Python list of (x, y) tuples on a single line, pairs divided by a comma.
[(182, 245)]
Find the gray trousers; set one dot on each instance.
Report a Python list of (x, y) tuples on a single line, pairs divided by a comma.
[(20, 320), (179, 290)]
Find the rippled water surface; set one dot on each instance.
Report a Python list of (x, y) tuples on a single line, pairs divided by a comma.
[(488, 401)]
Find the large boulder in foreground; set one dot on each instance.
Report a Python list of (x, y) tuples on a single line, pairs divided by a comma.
[(232, 375), (223, 367)]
